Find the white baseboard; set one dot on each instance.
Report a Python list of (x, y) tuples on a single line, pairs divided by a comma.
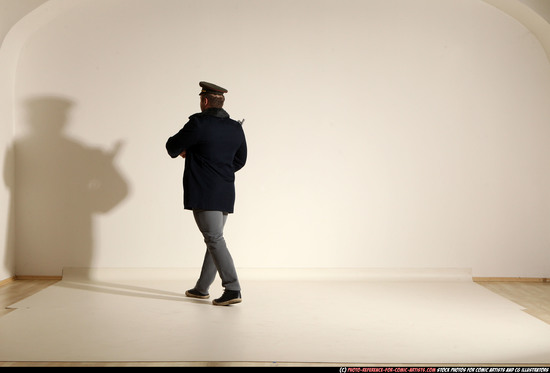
[(280, 274)]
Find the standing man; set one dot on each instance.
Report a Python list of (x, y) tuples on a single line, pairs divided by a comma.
[(214, 148)]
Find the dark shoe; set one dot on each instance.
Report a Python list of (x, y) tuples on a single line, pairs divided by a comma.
[(228, 297), (196, 294)]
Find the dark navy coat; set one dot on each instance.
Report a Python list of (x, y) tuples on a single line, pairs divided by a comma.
[(215, 147)]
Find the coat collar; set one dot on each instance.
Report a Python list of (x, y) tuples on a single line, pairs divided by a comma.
[(216, 112)]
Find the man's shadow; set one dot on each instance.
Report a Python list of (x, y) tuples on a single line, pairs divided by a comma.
[(58, 187)]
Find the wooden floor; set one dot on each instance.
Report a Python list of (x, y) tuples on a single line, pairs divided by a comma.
[(17, 290), (533, 296)]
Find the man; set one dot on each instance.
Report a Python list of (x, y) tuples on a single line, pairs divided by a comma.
[(214, 148)]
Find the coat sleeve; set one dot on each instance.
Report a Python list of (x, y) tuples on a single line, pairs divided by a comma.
[(184, 139), (240, 157)]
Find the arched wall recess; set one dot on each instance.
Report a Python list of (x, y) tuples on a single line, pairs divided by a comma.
[(423, 123), (531, 19)]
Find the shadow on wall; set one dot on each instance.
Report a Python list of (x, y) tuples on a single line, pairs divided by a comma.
[(60, 183)]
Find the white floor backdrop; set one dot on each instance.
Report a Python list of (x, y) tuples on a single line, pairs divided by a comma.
[(328, 316)]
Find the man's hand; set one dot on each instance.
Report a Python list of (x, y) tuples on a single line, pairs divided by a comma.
[(182, 154)]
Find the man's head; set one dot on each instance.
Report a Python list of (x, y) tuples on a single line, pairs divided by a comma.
[(211, 96)]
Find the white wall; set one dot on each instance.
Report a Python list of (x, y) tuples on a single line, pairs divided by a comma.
[(381, 134), (11, 13)]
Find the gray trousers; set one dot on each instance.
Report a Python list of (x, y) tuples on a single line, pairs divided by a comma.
[(217, 258)]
